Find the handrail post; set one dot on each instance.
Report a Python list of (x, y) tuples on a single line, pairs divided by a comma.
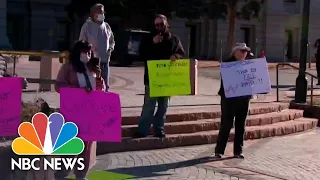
[(311, 100), (277, 79), (14, 65)]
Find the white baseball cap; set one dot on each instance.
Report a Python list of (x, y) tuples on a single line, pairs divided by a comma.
[(241, 46)]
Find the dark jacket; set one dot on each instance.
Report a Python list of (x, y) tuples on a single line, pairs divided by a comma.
[(221, 90), (170, 45)]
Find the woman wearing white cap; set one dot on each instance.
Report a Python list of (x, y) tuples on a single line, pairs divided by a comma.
[(233, 110)]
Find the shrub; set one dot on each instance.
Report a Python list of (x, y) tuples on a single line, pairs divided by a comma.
[(31, 108)]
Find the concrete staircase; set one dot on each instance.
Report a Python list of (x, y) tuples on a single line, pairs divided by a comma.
[(200, 125)]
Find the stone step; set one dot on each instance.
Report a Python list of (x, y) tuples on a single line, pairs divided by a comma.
[(192, 113), (214, 124), (207, 137)]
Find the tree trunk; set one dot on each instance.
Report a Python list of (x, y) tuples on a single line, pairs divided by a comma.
[(231, 30)]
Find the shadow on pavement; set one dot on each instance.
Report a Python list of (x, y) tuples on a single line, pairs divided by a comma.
[(161, 170)]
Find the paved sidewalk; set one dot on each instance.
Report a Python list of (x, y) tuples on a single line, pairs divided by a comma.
[(128, 82), (294, 157)]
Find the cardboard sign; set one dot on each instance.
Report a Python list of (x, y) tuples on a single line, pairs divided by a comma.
[(168, 78), (245, 78), (97, 114), (10, 105)]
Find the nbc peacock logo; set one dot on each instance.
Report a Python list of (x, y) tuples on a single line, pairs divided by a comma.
[(48, 136)]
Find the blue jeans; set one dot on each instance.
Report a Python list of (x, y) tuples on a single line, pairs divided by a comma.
[(147, 115), (105, 73)]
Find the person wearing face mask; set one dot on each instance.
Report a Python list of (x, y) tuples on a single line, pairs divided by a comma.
[(160, 45), (99, 34), (81, 72), (233, 111)]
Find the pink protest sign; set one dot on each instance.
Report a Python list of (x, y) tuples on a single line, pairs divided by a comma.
[(97, 114), (10, 105)]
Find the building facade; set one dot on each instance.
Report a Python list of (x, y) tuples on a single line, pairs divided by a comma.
[(44, 25), (277, 32)]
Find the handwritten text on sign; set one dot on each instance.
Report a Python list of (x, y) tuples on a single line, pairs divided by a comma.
[(245, 78), (10, 105), (168, 78), (97, 114)]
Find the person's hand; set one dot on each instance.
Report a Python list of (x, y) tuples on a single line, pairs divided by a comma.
[(97, 70), (173, 58), (158, 38)]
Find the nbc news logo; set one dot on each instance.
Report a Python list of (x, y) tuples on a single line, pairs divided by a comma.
[(48, 137)]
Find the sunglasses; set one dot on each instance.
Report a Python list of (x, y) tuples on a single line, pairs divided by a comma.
[(159, 24), (243, 51)]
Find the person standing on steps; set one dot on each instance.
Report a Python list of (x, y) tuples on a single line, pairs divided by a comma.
[(317, 56), (99, 34), (159, 45), (81, 72), (233, 110)]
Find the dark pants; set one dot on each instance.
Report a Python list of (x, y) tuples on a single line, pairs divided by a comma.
[(318, 65), (233, 108), (147, 115)]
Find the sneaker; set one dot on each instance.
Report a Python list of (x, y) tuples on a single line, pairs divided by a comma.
[(138, 135), (239, 156), (160, 135), (218, 156)]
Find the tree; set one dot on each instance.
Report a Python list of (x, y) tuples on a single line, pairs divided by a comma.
[(220, 9), (250, 9)]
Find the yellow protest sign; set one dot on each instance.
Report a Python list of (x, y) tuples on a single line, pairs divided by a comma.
[(168, 78)]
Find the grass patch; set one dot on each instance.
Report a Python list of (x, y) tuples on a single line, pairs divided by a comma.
[(105, 175)]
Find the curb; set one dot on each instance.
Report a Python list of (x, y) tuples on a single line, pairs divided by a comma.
[(5, 155)]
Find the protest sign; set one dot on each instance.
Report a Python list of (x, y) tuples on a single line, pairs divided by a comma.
[(167, 78), (10, 105), (245, 78), (97, 114)]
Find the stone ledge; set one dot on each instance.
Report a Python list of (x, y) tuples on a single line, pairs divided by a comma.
[(206, 137), (5, 156)]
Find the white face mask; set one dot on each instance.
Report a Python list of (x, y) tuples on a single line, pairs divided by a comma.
[(84, 57), (100, 17)]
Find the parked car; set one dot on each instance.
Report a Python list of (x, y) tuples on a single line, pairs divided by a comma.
[(127, 46)]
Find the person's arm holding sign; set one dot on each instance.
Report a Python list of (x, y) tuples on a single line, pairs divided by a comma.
[(177, 50), (61, 80)]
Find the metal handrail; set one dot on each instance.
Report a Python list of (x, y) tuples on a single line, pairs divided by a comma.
[(33, 53), (296, 68), (16, 54)]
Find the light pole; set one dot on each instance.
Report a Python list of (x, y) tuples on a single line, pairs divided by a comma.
[(302, 81)]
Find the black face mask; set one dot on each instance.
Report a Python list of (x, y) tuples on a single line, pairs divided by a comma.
[(156, 31)]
